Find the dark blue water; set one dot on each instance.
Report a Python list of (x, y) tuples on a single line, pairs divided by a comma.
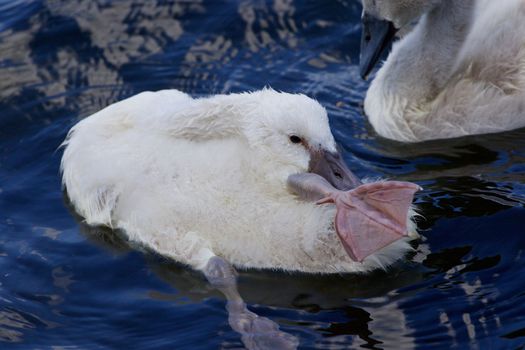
[(66, 286)]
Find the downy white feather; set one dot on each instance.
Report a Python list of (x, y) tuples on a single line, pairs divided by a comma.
[(195, 178)]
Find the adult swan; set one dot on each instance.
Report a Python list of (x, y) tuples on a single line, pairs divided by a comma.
[(459, 71)]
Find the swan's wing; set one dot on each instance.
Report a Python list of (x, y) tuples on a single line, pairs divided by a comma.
[(109, 153), (372, 216), (103, 150), (209, 118), (171, 112)]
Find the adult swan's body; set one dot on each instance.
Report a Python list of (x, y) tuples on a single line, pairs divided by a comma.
[(459, 71)]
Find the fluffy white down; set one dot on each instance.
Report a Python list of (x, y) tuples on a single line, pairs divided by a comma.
[(460, 71), (194, 178)]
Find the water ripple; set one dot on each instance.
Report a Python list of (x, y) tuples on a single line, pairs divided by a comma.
[(66, 285)]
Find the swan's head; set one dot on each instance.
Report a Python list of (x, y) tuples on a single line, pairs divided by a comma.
[(381, 20), (291, 145), (290, 134)]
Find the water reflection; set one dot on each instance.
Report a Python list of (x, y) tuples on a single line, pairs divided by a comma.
[(321, 294), (63, 60), (375, 311)]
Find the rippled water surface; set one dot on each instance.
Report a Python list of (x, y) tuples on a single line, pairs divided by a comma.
[(65, 286)]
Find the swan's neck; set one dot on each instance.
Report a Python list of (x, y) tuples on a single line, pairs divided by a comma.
[(419, 65)]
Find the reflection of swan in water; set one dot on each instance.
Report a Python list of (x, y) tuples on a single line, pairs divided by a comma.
[(234, 179), (365, 311), (459, 71), (361, 309), (330, 293), (459, 176)]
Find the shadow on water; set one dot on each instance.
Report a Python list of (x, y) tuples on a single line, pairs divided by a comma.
[(305, 294), (485, 156)]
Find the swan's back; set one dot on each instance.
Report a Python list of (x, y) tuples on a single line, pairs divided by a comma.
[(461, 71), (101, 149), (195, 178), (124, 168)]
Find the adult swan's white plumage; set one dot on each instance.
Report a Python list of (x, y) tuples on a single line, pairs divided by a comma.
[(459, 71), (198, 178)]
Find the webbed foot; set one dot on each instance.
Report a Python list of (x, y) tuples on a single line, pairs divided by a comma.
[(220, 273), (256, 332)]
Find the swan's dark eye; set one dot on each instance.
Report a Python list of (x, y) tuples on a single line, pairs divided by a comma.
[(295, 139)]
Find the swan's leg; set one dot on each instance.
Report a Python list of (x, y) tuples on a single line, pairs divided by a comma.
[(256, 332)]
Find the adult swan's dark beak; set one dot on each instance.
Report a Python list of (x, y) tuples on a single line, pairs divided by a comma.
[(376, 36)]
